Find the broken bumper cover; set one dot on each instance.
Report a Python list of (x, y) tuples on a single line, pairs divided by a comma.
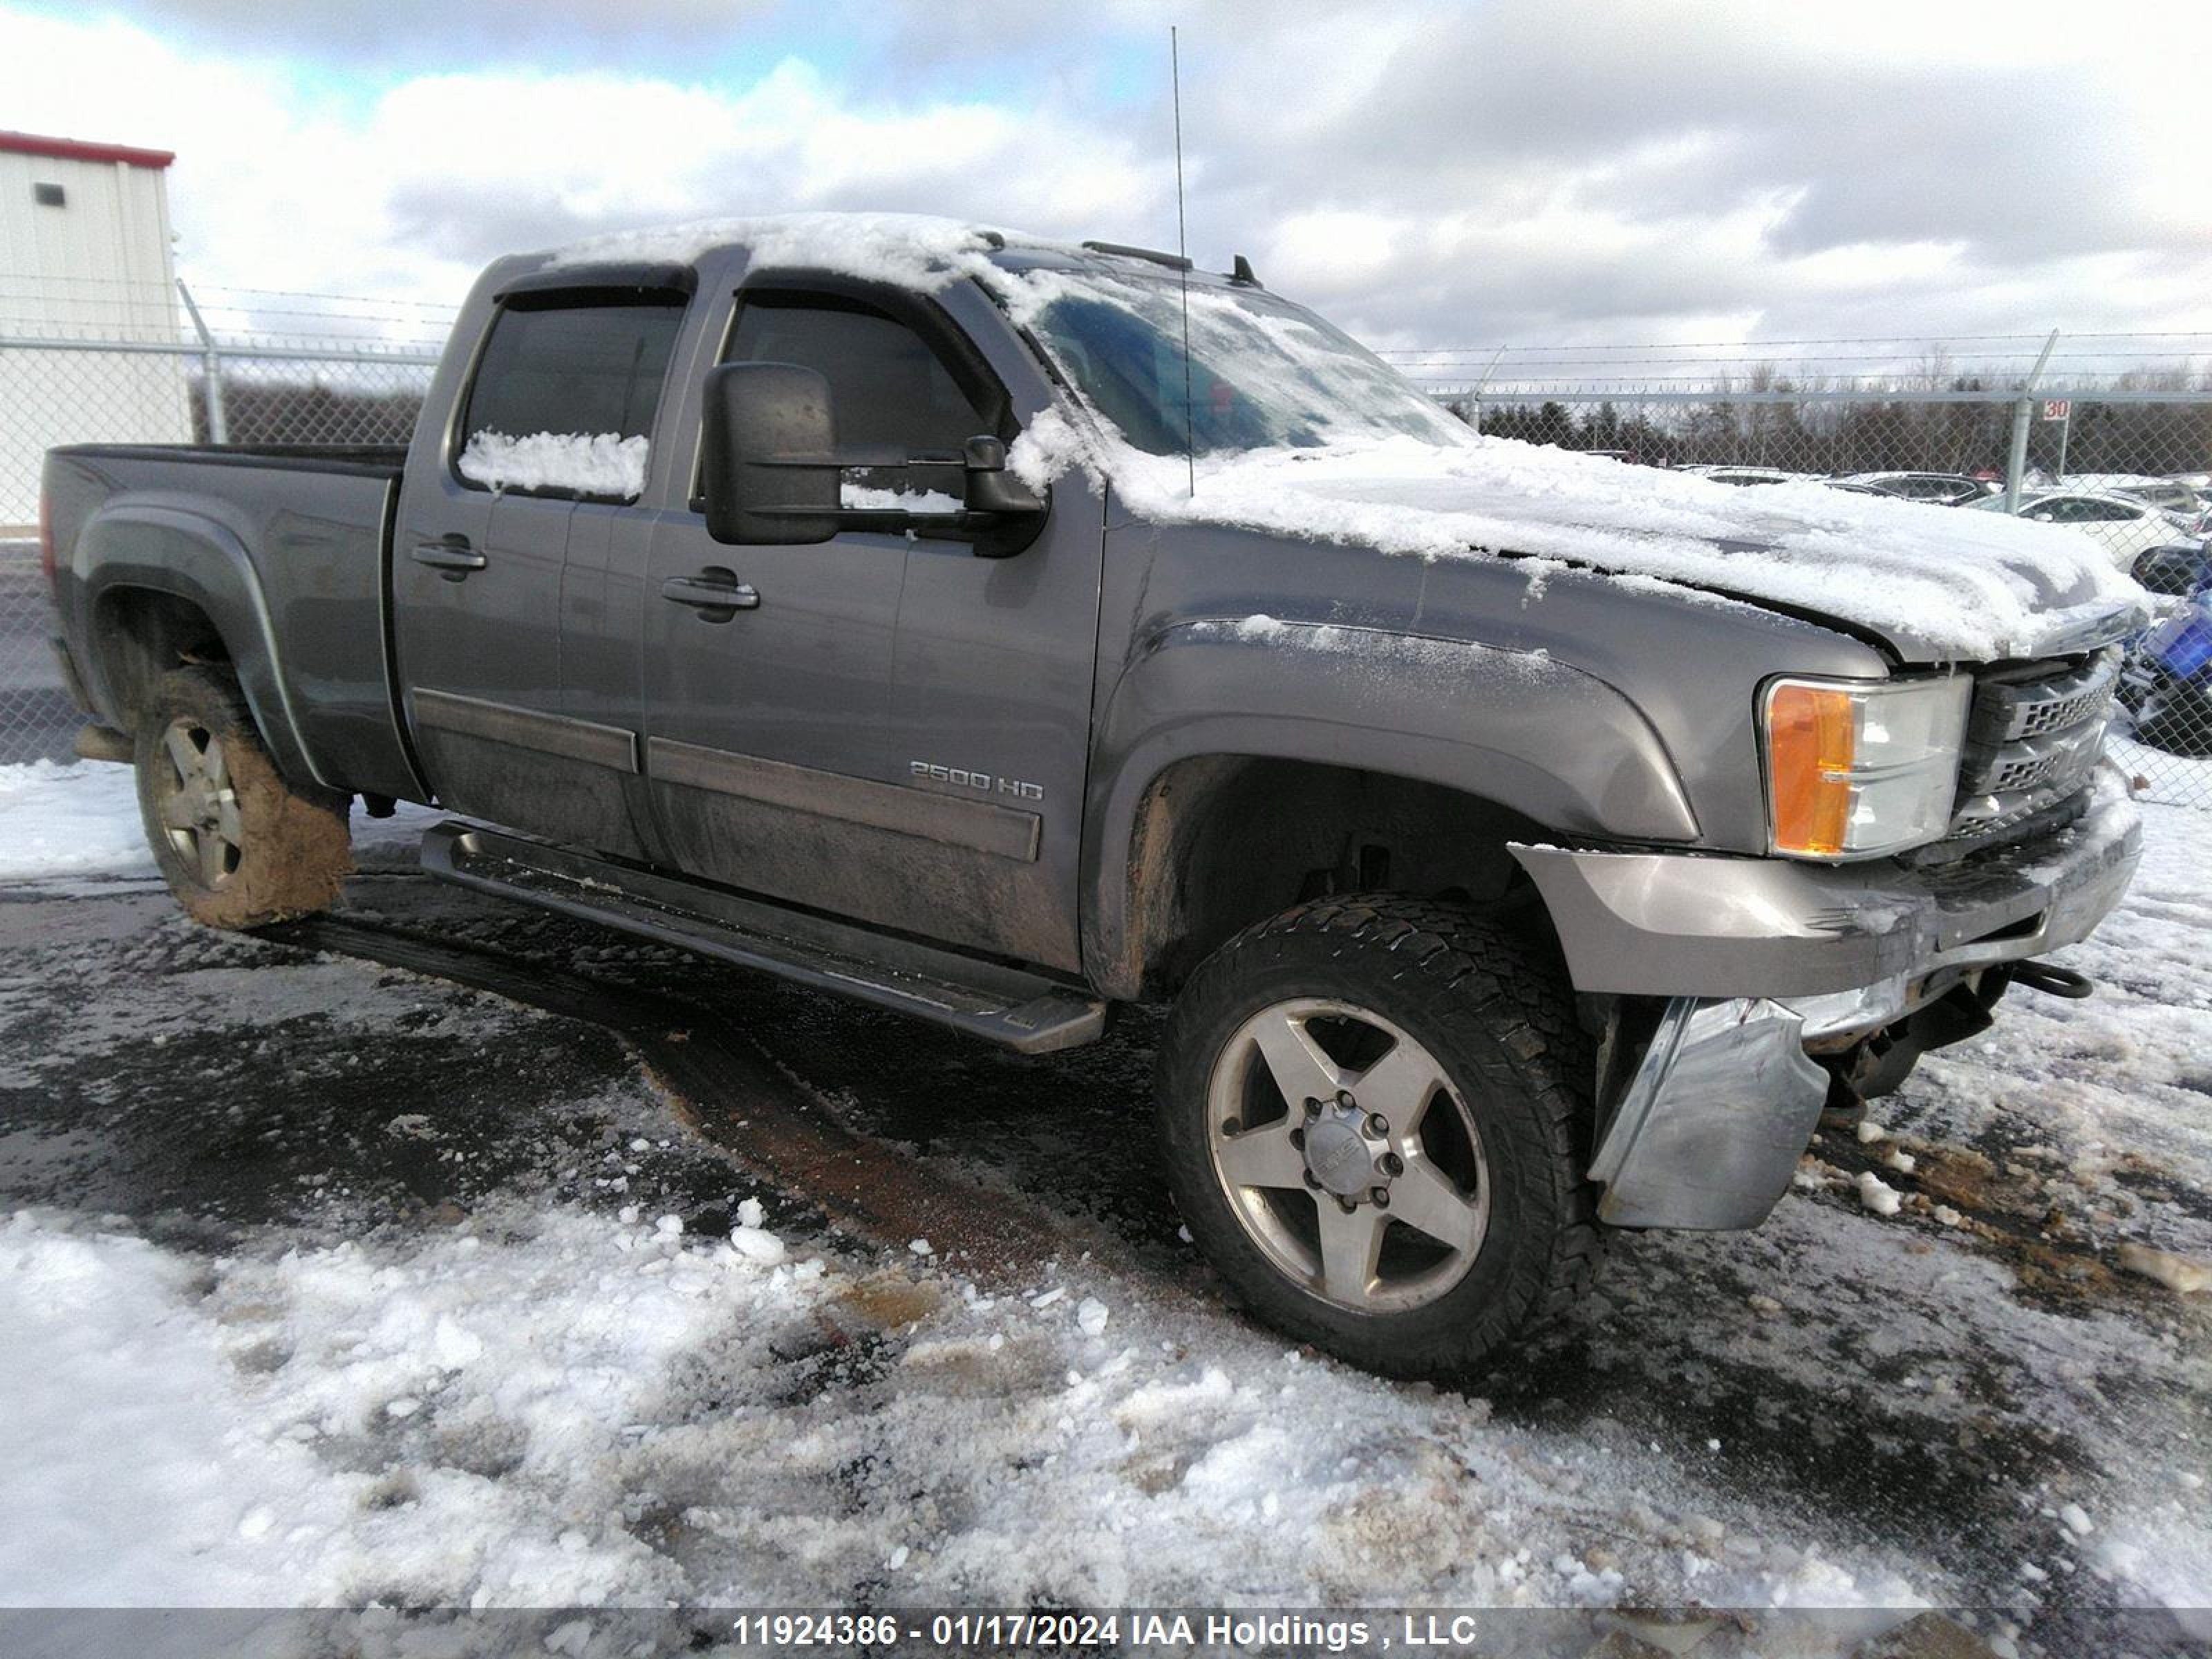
[(1755, 956)]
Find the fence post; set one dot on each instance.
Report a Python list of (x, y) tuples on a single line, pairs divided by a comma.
[(1474, 397), (2022, 412), (210, 370)]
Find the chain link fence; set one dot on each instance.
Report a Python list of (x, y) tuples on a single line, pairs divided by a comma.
[(102, 362), (2108, 434)]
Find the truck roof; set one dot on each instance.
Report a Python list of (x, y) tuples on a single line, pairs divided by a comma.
[(909, 250)]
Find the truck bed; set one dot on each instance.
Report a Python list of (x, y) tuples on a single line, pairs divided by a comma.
[(283, 547)]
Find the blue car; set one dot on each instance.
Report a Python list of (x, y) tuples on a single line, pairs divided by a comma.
[(2168, 681)]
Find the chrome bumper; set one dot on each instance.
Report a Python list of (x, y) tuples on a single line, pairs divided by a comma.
[(1758, 956)]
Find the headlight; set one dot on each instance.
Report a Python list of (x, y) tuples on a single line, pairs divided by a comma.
[(1857, 768)]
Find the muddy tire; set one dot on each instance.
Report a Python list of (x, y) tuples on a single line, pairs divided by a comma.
[(1376, 1115), (238, 845)]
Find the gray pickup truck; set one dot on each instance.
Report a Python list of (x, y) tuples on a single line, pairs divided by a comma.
[(1000, 631)]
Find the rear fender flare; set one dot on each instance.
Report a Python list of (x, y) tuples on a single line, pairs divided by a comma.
[(160, 548)]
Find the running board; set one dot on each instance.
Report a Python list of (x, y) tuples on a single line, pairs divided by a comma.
[(1023, 1012)]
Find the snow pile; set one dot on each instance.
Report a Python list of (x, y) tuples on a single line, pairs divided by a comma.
[(1874, 1195), (604, 463), (69, 820), (552, 1407)]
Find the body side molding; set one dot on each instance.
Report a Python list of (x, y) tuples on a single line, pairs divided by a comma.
[(985, 826), (610, 747)]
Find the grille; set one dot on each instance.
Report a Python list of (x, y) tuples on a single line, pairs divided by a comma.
[(2033, 740)]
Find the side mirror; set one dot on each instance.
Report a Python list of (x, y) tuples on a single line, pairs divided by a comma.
[(991, 488), (769, 455), (2041, 518), (1015, 512)]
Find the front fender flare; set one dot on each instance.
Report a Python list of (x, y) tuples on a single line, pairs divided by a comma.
[(1540, 737)]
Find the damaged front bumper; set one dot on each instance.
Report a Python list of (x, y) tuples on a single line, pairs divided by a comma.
[(1758, 958)]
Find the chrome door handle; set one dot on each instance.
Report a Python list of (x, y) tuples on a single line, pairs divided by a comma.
[(452, 559), (705, 595)]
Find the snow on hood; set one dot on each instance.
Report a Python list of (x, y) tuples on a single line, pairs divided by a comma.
[(1939, 584)]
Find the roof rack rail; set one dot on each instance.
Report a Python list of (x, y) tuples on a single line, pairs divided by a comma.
[(1172, 261)]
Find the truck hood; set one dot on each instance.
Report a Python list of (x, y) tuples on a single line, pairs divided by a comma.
[(1933, 584)]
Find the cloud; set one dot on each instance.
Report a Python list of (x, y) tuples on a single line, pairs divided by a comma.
[(1426, 173)]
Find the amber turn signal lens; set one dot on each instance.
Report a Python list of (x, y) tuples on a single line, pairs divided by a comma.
[(1811, 737)]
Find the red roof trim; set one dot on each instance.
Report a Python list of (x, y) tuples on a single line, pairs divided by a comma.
[(76, 150)]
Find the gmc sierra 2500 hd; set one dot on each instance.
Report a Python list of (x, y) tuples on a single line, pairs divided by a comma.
[(1529, 843)]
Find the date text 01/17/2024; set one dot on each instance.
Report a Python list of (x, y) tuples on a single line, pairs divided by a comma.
[(1023, 1631)]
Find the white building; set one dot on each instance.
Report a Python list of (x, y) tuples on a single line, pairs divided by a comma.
[(84, 256)]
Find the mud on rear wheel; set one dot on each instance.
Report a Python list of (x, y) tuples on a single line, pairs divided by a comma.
[(1376, 1114), (238, 845)]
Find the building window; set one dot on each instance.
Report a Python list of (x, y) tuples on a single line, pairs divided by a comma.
[(50, 195)]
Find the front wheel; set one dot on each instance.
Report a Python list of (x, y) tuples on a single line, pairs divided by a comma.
[(1375, 1111), (238, 844)]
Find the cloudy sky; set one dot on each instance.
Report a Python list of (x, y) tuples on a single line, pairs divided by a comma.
[(1438, 175)]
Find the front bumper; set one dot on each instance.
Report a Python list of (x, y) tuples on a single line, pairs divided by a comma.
[(1680, 924), (1759, 956)]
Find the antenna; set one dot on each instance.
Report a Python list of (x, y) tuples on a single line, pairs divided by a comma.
[(1182, 248)]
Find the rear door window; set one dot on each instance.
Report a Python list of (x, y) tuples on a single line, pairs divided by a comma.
[(565, 393)]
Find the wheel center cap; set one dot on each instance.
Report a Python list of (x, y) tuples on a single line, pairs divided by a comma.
[(1339, 1158)]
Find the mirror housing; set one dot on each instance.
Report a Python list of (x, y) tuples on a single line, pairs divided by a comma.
[(991, 488), (1009, 511), (769, 455)]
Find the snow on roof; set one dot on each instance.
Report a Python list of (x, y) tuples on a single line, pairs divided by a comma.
[(1941, 586), (909, 250)]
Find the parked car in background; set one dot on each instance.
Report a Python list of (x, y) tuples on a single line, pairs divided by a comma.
[(2167, 685), (1745, 475), (2174, 572), (2125, 527), (1945, 489), (2170, 494)]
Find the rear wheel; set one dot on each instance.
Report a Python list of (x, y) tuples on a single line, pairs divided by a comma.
[(238, 845), (1376, 1113)]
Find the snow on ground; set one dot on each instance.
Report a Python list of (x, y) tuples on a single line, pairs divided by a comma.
[(2173, 779), (81, 819), (553, 1407), (78, 819)]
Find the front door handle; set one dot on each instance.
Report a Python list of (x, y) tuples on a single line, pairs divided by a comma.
[(714, 594), (450, 557)]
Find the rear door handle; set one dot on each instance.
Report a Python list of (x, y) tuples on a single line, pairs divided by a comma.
[(452, 558), (710, 592)]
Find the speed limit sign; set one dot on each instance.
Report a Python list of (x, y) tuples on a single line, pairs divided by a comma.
[(2057, 409)]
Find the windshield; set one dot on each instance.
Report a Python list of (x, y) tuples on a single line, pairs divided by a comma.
[(1264, 373)]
